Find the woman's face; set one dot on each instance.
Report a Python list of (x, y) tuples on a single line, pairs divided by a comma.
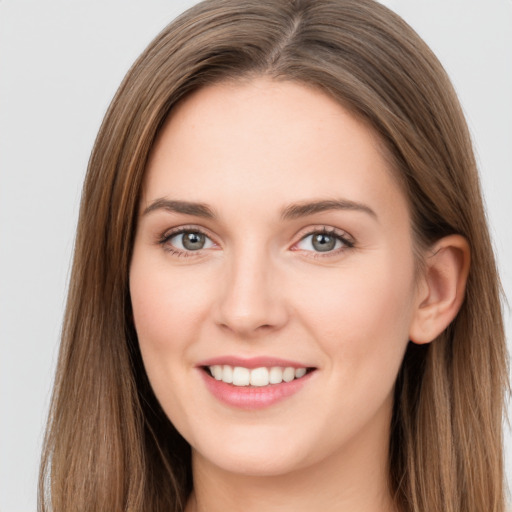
[(274, 249)]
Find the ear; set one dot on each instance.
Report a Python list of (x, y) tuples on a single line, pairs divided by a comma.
[(441, 288)]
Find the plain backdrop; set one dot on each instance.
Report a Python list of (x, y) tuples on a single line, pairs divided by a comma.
[(60, 64)]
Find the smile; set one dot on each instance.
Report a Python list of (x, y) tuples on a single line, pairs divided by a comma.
[(258, 377), (255, 383)]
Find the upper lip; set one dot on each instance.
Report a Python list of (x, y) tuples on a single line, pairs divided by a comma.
[(252, 362)]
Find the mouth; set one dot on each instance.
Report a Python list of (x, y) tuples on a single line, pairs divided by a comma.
[(240, 376), (255, 383)]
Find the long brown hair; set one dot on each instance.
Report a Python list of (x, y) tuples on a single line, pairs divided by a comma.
[(109, 445)]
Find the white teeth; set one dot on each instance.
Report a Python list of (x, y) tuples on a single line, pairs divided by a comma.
[(288, 374), (259, 377), (276, 375), (227, 374), (300, 372), (240, 376), (217, 371)]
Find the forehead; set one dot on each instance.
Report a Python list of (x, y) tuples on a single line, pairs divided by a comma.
[(265, 141)]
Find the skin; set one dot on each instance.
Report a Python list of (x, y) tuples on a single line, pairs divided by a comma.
[(248, 150)]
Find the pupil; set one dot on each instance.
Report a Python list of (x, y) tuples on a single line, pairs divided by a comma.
[(193, 241), (323, 242)]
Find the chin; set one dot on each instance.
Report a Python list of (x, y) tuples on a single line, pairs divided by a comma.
[(258, 456), (256, 465)]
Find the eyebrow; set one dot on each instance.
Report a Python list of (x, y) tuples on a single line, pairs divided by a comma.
[(293, 211), (185, 207)]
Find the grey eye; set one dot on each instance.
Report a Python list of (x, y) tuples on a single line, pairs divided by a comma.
[(190, 241), (320, 242), (193, 241)]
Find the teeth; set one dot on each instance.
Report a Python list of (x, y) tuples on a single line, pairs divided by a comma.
[(276, 375), (300, 372), (217, 372), (259, 377), (227, 374), (240, 376), (289, 374)]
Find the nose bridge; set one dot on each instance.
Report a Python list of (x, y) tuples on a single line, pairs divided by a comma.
[(250, 301)]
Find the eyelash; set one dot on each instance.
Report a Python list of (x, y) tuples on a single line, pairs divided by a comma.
[(168, 235), (344, 238)]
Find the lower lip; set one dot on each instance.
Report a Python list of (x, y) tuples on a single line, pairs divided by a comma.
[(248, 397)]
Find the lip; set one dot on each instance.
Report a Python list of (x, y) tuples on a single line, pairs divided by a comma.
[(252, 397), (252, 362)]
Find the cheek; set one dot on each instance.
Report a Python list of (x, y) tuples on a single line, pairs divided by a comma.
[(168, 310), (361, 314), (167, 306)]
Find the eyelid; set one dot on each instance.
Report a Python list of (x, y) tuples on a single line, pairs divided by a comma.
[(324, 228), (347, 239), (168, 234)]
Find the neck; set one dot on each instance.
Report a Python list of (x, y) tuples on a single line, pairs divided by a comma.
[(353, 480)]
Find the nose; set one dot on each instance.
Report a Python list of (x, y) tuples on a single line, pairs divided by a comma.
[(251, 301)]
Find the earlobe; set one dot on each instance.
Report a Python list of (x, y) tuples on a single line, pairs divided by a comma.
[(442, 288)]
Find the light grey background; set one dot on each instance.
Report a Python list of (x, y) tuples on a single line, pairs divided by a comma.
[(60, 63)]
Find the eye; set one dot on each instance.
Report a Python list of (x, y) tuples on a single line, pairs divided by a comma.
[(187, 241), (323, 241)]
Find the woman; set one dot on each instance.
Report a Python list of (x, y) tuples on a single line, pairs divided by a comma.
[(283, 293)]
